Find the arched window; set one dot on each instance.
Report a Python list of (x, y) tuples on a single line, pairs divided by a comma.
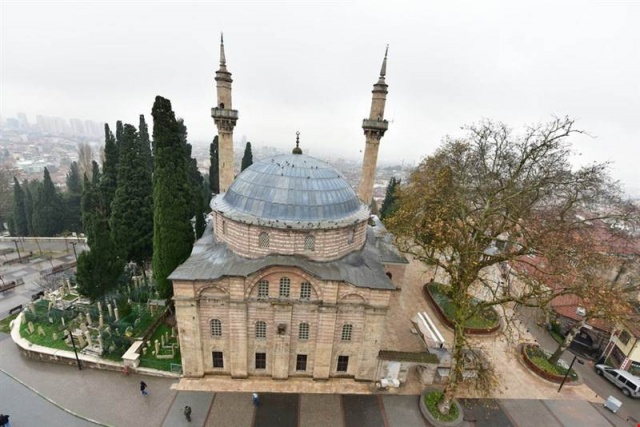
[(216, 328), (309, 243), (305, 291), (351, 235), (285, 287), (346, 332), (263, 240), (263, 289), (261, 329), (303, 331)]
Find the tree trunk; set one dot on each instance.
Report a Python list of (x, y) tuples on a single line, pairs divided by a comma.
[(457, 367), (555, 357)]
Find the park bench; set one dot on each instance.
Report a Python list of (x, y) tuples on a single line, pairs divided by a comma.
[(8, 286), (16, 309)]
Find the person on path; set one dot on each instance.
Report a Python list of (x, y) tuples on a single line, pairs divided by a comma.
[(256, 399), (187, 412), (4, 421), (143, 388)]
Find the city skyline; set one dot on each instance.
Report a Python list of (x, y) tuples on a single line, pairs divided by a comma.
[(309, 67)]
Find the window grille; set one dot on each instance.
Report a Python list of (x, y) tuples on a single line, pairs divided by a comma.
[(346, 332), (310, 243), (216, 328), (285, 287), (261, 329), (305, 291), (303, 331), (263, 240), (263, 289)]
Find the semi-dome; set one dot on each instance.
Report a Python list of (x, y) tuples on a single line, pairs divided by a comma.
[(293, 191)]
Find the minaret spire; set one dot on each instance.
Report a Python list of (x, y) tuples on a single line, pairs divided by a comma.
[(383, 70), (225, 119), (223, 60), (374, 128)]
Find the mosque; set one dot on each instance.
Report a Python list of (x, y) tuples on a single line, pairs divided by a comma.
[(293, 277)]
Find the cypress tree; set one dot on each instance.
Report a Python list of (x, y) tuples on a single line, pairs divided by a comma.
[(143, 134), (131, 219), (28, 205), (96, 176), (20, 227), (109, 180), (247, 158), (172, 235), (214, 169), (100, 267), (47, 209), (72, 199), (389, 204)]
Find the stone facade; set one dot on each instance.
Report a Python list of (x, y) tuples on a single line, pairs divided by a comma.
[(328, 244), (335, 332)]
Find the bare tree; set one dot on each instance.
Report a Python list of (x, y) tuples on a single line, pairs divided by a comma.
[(85, 159), (494, 186)]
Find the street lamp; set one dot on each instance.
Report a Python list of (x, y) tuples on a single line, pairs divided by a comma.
[(17, 249), (74, 250), (569, 370), (73, 343)]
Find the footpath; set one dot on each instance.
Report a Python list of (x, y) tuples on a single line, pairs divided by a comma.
[(35, 393)]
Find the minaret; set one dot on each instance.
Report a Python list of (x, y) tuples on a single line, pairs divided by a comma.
[(374, 128), (225, 119)]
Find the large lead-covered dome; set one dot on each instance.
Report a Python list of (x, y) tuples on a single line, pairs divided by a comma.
[(294, 191)]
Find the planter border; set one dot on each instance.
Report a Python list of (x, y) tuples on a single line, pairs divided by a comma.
[(432, 420), (445, 320), (539, 372)]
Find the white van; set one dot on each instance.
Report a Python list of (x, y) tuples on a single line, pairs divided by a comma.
[(628, 383)]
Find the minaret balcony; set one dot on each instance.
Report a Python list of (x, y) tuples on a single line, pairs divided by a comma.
[(224, 114), (375, 125)]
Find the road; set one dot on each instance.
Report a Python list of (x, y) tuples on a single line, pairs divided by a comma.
[(630, 409), (47, 254)]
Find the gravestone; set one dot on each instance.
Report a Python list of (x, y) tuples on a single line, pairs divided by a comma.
[(54, 336), (100, 320), (157, 343), (30, 327), (117, 314), (41, 330), (89, 318), (110, 309)]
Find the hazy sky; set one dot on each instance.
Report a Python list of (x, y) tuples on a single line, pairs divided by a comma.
[(310, 66)]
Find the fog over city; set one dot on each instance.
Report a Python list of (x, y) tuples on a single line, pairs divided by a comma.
[(310, 66)]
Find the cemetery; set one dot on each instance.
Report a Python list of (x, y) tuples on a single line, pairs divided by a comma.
[(125, 330)]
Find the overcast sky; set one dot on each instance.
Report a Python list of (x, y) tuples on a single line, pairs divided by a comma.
[(310, 66)]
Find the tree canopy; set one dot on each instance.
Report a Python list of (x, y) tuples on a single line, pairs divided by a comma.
[(173, 235), (496, 198), (247, 158), (214, 168)]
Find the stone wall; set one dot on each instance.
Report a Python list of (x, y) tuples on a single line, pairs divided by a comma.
[(244, 240)]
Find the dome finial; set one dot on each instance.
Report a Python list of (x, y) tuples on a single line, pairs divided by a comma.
[(297, 150)]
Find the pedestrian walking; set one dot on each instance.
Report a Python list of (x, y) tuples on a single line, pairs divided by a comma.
[(4, 421), (187, 412), (256, 399), (143, 388)]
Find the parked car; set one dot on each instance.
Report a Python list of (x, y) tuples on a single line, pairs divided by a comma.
[(628, 383)]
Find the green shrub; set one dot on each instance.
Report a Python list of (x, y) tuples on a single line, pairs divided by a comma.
[(431, 401)]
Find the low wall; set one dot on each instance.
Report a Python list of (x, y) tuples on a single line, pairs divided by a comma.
[(66, 357), (543, 374), (445, 320)]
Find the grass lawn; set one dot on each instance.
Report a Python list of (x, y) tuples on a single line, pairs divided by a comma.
[(45, 340), (4, 323), (431, 401), (539, 358), (484, 320), (150, 361)]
